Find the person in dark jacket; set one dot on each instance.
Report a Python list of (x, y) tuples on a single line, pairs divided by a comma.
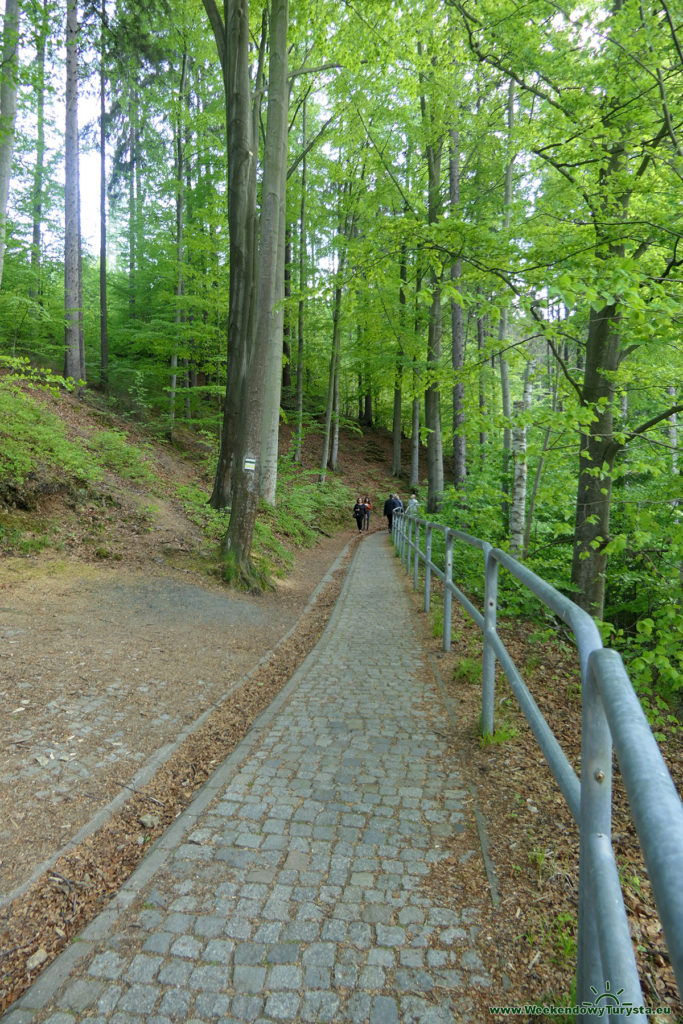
[(359, 513), (393, 502)]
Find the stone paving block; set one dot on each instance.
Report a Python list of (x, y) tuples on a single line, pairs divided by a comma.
[(249, 979)]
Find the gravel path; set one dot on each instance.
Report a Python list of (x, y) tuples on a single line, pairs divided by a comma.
[(293, 888)]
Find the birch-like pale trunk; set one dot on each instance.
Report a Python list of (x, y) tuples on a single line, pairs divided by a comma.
[(415, 445), (74, 357), (35, 289), (519, 474), (504, 318), (180, 229), (8, 114), (104, 317), (272, 385)]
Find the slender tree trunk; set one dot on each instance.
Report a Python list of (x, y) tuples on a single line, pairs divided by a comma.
[(287, 329), (481, 345), (398, 377), (415, 445), (8, 114), (334, 448), (334, 369), (35, 290), (272, 389), (104, 333), (519, 479), (435, 476), (503, 322), (74, 362), (180, 229), (417, 388), (300, 311), (457, 331)]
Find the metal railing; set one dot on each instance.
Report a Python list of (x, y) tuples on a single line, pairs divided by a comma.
[(612, 718)]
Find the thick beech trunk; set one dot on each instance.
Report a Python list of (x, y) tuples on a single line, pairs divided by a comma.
[(267, 348), (242, 226)]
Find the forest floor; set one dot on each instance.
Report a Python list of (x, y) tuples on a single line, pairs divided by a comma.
[(127, 680)]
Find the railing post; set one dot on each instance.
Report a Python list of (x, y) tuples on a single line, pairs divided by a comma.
[(428, 569), (488, 666), (595, 819), (447, 594), (409, 540), (416, 560)]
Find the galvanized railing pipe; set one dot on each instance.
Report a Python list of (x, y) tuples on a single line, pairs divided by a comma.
[(611, 714)]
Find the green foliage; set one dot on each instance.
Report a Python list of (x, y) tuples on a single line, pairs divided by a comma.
[(306, 508), (502, 733), (33, 440), (213, 522), (467, 670), (116, 453)]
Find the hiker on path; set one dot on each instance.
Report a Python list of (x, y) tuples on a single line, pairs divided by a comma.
[(413, 505), (390, 505), (367, 505), (359, 513)]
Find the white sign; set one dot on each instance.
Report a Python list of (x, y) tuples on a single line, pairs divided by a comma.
[(249, 464)]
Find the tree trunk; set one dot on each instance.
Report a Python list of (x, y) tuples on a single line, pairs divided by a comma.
[(334, 447), (435, 478), (35, 289), (180, 228), (242, 229), (519, 478), (8, 114), (503, 323), (481, 345), (104, 333), (596, 460), (272, 385), (266, 347), (74, 361), (398, 377), (334, 369), (287, 329), (457, 331), (300, 311)]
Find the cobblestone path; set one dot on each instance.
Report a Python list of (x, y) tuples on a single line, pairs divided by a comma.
[(293, 887)]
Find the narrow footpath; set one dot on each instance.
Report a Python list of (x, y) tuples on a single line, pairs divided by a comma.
[(292, 889)]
